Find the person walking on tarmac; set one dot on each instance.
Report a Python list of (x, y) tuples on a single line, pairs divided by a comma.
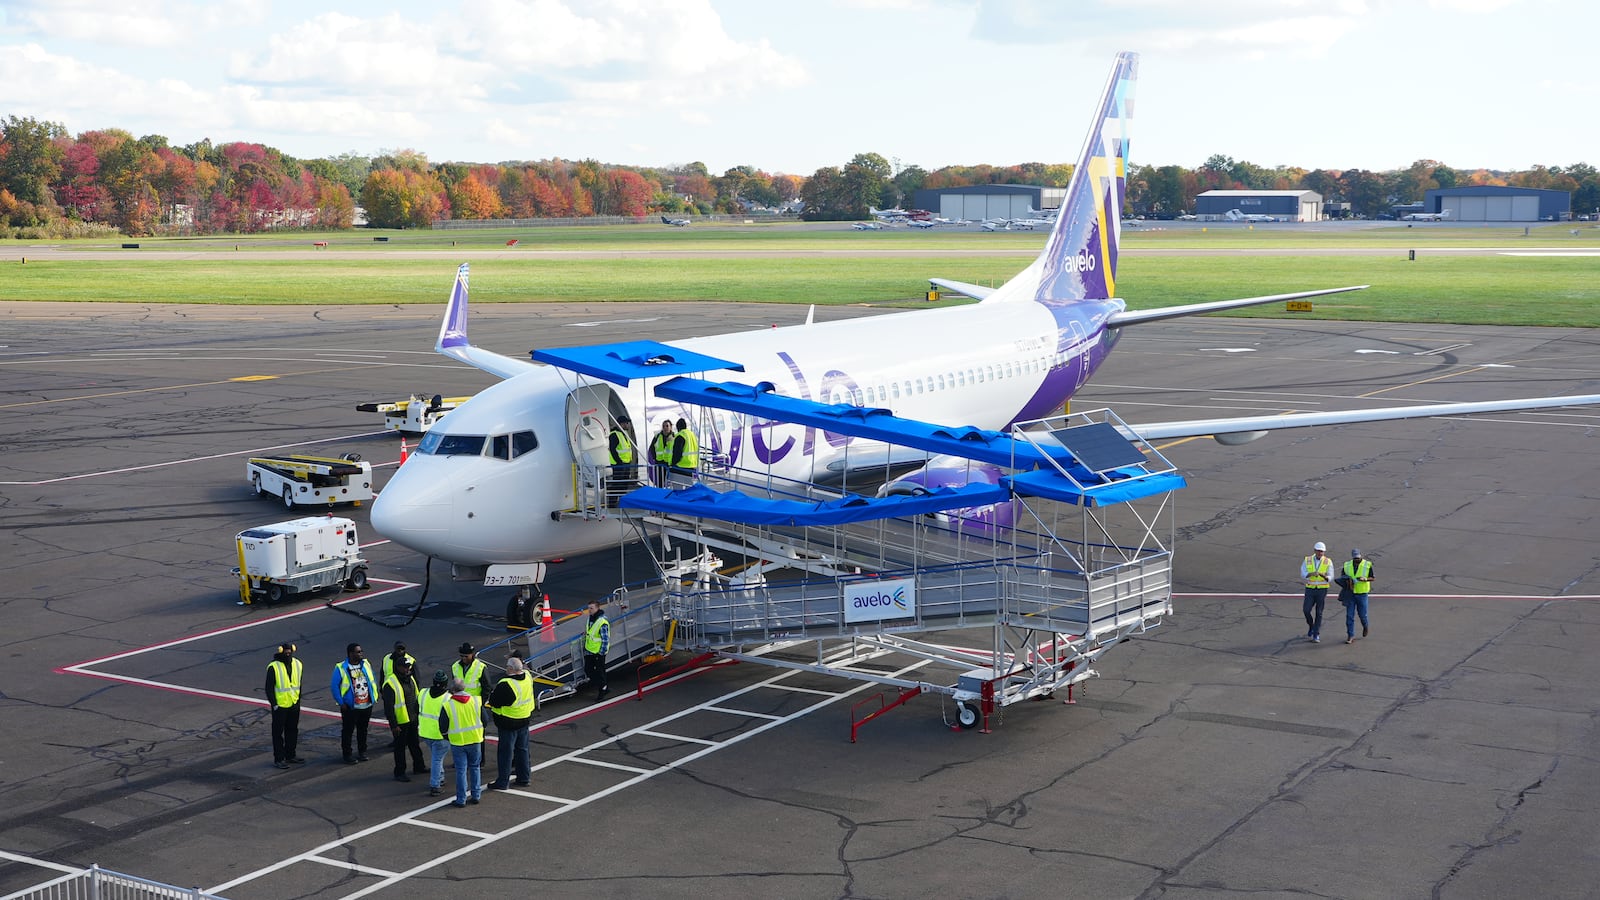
[(513, 703), (283, 692), (401, 706), (429, 707), (1356, 587), (623, 473), (596, 641), (661, 454), (685, 455), (1314, 573), (356, 690), (462, 722)]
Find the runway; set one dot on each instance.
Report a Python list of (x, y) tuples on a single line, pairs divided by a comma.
[(1449, 754)]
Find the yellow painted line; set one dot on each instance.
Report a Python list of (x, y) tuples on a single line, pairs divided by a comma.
[(1426, 381), (254, 378), (173, 387)]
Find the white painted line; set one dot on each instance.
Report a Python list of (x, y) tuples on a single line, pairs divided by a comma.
[(605, 764), (534, 795), (195, 459), (354, 867), (746, 712), (795, 689), (679, 737), (423, 823), (41, 863), (1445, 349)]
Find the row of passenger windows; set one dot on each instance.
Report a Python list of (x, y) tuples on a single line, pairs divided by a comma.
[(894, 390), (499, 446)]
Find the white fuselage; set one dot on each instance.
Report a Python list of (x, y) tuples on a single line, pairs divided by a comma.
[(979, 365)]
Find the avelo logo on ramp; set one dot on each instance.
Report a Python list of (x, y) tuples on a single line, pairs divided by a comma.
[(872, 601)]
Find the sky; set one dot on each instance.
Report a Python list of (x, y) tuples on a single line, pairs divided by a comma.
[(795, 85)]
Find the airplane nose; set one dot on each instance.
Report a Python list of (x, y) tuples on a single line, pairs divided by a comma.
[(413, 509)]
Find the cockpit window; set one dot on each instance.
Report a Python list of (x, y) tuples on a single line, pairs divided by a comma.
[(523, 442), (459, 445), (500, 446)]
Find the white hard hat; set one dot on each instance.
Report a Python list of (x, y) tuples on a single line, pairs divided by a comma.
[(1320, 546)]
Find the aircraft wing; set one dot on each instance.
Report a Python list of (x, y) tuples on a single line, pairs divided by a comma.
[(975, 291), (1139, 317), (1243, 429), (453, 337)]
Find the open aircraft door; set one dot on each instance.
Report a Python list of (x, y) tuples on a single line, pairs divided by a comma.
[(591, 411)]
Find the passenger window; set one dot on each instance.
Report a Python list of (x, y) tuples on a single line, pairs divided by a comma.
[(919, 385), (500, 446), (896, 387)]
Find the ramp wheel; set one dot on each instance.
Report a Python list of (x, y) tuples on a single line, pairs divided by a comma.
[(288, 497), (274, 593), (256, 480), (357, 580), (968, 715)]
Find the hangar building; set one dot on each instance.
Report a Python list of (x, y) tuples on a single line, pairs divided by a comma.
[(988, 201), (1486, 203), (1287, 206)]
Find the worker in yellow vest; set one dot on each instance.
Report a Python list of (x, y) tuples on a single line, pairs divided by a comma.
[(462, 722), (661, 454), (513, 703), (624, 474), (1356, 580), (470, 669), (596, 643), (1315, 570), (401, 705), (429, 708), (685, 455), (356, 691), (399, 653), (283, 693)]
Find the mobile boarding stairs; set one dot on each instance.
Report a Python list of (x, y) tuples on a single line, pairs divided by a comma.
[(1057, 549)]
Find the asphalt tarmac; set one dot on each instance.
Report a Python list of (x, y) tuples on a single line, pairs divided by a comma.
[(1450, 754)]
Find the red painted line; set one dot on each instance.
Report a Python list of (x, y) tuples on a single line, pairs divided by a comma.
[(1385, 595)]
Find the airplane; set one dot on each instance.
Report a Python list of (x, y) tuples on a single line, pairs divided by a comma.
[(1426, 216), (867, 226), (1234, 215), (888, 215), (487, 485), (921, 223), (678, 222)]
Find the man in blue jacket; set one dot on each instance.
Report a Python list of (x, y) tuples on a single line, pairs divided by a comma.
[(355, 689)]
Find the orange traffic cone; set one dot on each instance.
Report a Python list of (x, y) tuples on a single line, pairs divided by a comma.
[(403, 453), (547, 625)]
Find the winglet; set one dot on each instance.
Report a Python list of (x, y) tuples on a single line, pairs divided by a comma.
[(453, 331), (1080, 259)]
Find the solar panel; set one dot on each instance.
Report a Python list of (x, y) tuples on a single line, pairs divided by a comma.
[(1099, 447)]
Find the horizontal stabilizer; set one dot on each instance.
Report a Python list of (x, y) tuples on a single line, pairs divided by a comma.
[(1139, 317), (1241, 429), (975, 291)]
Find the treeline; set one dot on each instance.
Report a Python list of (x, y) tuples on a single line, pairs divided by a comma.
[(53, 184)]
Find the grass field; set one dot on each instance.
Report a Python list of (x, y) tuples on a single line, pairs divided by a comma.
[(737, 263)]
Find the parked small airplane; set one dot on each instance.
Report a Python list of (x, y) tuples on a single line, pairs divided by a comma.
[(867, 226), (888, 215), (1439, 216), (488, 483), (678, 222), (1234, 215)]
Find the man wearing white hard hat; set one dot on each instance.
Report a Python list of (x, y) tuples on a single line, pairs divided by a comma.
[(1314, 573)]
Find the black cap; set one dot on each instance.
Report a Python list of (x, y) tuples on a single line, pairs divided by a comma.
[(440, 679), (465, 648), (399, 645)]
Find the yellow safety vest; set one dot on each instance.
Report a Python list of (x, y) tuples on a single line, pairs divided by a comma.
[(402, 712), (662, 448), (1357, 572), (388, 665), (345, 684), (286, 682), (624, 452), (522, 705), (472, 677), (691, 450), (428, 715), (1315, 573), (466, 722), (591, 635)]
